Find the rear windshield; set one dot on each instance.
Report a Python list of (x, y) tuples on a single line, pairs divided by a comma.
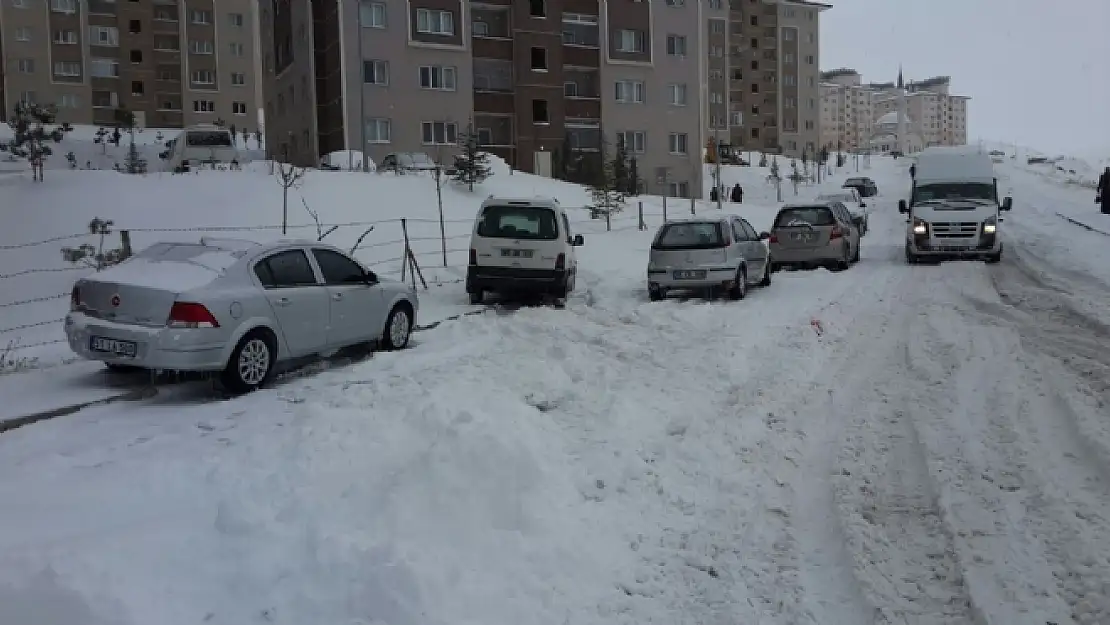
[(840, 197), (855, 181), (804, 216), (692, 235), (208, 138), (518, 222)]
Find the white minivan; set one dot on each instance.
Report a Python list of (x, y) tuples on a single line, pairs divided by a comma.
[(522, 246), (954, 209)]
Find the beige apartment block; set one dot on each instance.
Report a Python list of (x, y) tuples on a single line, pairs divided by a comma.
[(172, 62), (856, 115), (774, 50)]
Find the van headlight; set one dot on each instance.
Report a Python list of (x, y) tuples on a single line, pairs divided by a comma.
[(920, 227), (990, 226)]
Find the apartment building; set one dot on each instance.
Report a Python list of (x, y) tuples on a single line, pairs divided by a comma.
[(173, 63), (774, 48), (857, 115), (534, 76)]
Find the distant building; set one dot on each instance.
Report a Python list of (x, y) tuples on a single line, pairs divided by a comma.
[(861, 116)]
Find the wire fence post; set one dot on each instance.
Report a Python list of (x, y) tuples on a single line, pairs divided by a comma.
[(405, 255), (439, 200), (640, 210), (664, 208), (609, 219), (692, 212), (125, 244)]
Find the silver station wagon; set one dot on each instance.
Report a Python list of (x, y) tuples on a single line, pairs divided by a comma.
[(236, 308), (717, 254)]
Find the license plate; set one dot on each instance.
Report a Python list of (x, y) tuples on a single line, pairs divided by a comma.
[(802, 236), (689, 275), (516, 253), (113, 346)]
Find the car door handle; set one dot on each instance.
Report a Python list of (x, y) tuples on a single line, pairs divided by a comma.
[(283, 301), (337, 296)]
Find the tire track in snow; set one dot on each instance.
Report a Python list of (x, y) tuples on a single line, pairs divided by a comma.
[(1016, 489)]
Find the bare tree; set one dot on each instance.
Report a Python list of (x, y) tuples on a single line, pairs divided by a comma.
[(289, 176), (320, 232)]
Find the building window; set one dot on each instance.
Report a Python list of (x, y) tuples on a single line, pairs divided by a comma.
[(235, 19), (238, 108), (105, 99), (379, 130), (439, 133), (631, 41), (676, 3), (103, 68), (537, 8), (677, 94), (134, 27), (630, 91), (435, 22), (715, 4), (204, 106), (69, 101), (716, 98), (635, 141), (788, 57), (493, 75), (22, 33), (717, 27), (678, 189), (69, 37), (810, 59), (540, 114), (200, 16), (236, 49), (27, 97), (67, 69), (238, 79), (203, 77), (167, 43), (539, 59), (677, 143), (580, 30), (437, 77), (136, 56), (63, 6), (26, 66), (790, 80), (200, 46), (676, 45), (371, 14), (375, 72), (164, 14), (137, 87), (788, 34)]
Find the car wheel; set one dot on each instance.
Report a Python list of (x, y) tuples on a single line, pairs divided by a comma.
[(766, 281), (118, 368), (911, 258), (251, 362), (739, 285), (994, 258), (476, 297), (855, 256), (845, 262), (657, 294), (398, 328)]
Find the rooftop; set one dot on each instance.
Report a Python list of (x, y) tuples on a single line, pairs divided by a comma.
[(842, 71)]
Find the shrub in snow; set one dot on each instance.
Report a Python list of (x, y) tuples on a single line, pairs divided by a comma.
[(608, 196), (96, 257)]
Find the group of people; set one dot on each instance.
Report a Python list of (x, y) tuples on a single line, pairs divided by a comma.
[(736, 195), (1102, 191)]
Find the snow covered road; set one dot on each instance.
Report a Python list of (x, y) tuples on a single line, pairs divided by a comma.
[(893, 444)]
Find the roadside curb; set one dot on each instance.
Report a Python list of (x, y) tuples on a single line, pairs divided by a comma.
[(1083, 225), (8, 425)]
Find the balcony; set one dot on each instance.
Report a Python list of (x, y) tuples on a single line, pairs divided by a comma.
[(491, 23), (494, 131), (580, 84), (581, 31)]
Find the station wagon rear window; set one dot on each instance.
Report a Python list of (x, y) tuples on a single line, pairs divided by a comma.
[(804, 216), (208, 138), (694, 235), (519, 222)]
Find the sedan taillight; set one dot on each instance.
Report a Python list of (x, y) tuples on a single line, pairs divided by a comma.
[(191, 315)]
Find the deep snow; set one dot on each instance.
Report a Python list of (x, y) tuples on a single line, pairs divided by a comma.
[(890, 444)]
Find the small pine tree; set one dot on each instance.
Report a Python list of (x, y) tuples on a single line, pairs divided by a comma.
[(34, 125), (619, 165), (608, 197), (134, 163), (472, 165)]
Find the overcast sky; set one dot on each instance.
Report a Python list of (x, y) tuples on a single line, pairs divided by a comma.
[(1037, 71)]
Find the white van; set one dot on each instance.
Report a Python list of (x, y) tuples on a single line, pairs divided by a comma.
[(953, 208), (522, 246), (197, 145)]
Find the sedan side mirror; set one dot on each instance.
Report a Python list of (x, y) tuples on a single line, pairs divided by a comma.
[(902, 208), (578, 241), (763, 236), (371, 277), (1007, 203)]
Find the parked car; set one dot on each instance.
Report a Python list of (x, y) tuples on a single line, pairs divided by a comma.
[(820, 234), (717, 254), (851, 199), (400, 162), (522, 246), (237, 308), (863, 184)]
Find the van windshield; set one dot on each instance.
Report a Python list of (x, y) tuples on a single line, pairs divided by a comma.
[(519, 222), (208, 138), (804, 216), (954, 191), (694, 235)]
